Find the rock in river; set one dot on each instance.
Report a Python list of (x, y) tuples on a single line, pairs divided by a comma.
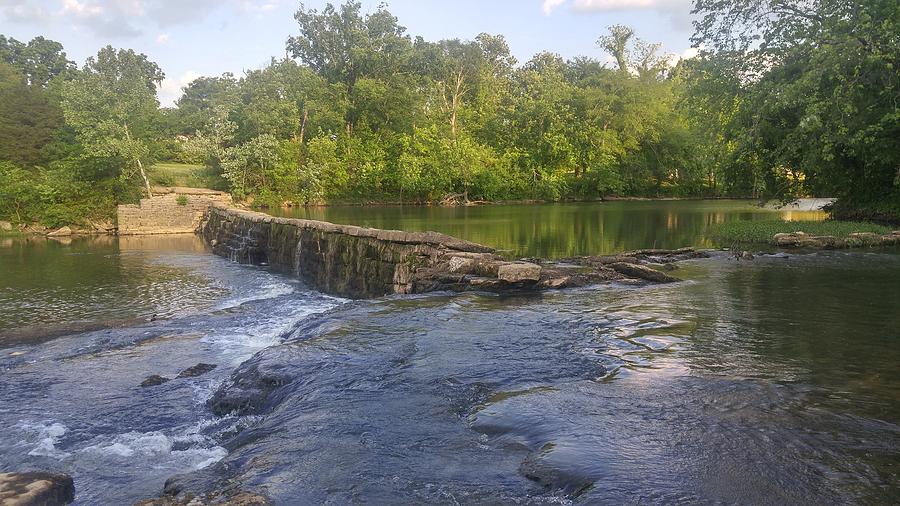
[(61, 232), (196, 370), (518, 272), (154, 380), (36, 489), (642, 272), (219, 499)]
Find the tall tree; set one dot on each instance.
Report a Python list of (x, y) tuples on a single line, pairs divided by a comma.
[(110, 104), (202, 96), (40, 60), (28, 118), (822, 91), (616, 44)]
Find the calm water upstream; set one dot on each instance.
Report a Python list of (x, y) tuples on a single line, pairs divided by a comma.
[(561, 230), (775, 381)]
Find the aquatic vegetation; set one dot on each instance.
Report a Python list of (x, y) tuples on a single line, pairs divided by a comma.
[(763, 231)]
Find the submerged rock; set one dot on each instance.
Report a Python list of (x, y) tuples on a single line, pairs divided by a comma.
[(36, 489), (214, 498), (248, 390), (853, 240), (196, 370), (154, 380)]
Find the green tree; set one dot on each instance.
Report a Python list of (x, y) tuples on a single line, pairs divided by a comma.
[(29, 119), (110, 104), (201, 97), (821, 88), (40, 60)]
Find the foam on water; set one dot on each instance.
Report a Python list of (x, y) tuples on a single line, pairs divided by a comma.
[(47, 435), (157, 450), (241, 341), (270, 288)]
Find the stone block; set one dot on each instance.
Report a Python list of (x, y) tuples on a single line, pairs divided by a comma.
[(518, 272)]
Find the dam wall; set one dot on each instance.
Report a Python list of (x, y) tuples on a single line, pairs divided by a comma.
[(344, 260), (358, 262)]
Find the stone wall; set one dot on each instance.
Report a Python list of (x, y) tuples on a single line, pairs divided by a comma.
[(339, 259), (170, 211), (362, 262)]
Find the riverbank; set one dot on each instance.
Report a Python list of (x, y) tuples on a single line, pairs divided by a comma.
[(829, 234)]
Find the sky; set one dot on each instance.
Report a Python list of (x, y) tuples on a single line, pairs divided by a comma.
[(192, 38)]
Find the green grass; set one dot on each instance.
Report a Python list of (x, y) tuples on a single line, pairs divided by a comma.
[(183, 174), (762, 231)]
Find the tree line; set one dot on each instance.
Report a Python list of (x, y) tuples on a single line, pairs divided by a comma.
[(781, 101)]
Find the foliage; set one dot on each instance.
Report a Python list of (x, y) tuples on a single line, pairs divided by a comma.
[(39, 61), (785, 99), (29, 119), (816, 92), (56, 196), (110, 105)]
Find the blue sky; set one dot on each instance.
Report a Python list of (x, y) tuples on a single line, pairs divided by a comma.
[(190, 38)]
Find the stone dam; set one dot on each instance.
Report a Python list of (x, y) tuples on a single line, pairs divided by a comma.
[(358, 262)]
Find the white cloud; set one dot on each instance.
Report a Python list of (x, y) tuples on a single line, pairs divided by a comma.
[(171, 89), (690, 52), (687, 54), (81, 9), (258, 5), (614, 5), (121, 18), (623, 5), (23, 11), (162, 38), (549, 5), (678, 11)]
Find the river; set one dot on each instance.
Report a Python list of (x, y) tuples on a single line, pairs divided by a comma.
[(770, 381)]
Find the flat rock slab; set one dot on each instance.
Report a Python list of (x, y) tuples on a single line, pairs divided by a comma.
[(642, 272), (61, 232), (519, 272), (36, 489)]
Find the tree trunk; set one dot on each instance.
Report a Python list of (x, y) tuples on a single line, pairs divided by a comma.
[(457, 92), (144, 176), (140, 165), (303, 124)]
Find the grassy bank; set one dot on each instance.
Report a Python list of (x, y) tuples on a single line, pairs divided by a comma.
[(182, 174), (762, 232)]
